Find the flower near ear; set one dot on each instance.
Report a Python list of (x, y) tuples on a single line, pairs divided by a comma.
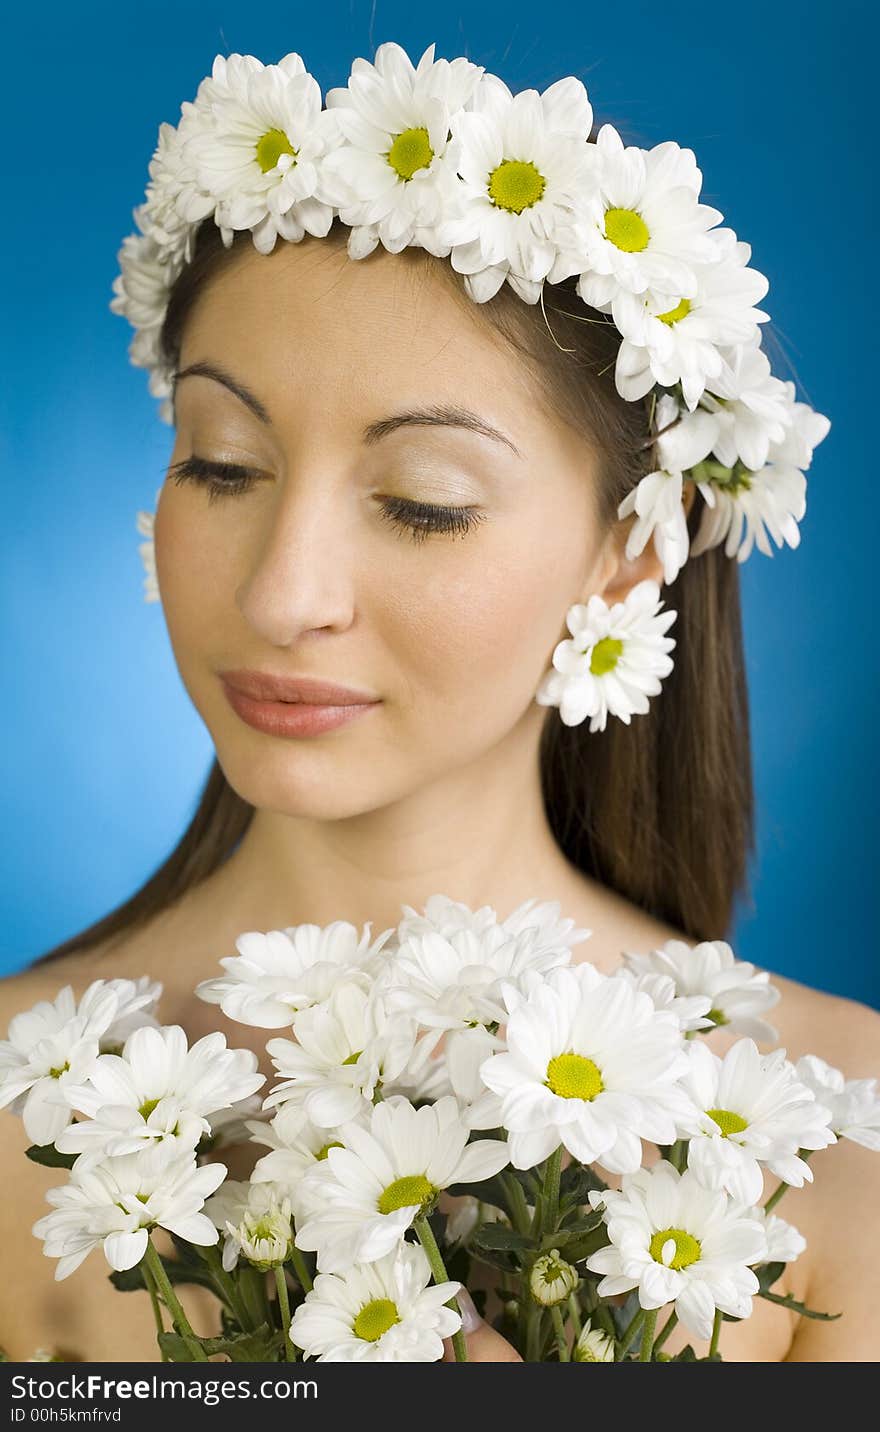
[(613, 660), (279, 973), (676, 1241), (384, 1311), (738, 992), (367, 1193), (115, 1204), (684, 440)]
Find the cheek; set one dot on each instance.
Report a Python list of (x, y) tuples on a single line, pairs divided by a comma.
[(193, 574), (482, 626)]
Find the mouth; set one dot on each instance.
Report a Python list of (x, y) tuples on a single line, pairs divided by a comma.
[(281, 690)]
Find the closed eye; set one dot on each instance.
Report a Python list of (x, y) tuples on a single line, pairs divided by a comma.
[(419, 519)]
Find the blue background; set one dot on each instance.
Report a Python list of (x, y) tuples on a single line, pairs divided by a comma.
[(103, 754)]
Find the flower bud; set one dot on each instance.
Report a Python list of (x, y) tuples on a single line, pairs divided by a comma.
[(552, 1279), (593, 1346)]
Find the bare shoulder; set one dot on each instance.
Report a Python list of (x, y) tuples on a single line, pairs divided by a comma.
[(842, 1031)]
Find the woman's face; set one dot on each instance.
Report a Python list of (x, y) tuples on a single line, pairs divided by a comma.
[(313, 570)]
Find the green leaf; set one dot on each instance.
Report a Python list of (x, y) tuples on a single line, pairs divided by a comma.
[(130, 1280), (575, 1229), (577, 1181), (785, 1301), (49, 1156), (497, 1235), (768, 1274), (173, 1345)]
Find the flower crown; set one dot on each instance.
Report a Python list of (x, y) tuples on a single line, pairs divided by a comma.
[(443, 156)]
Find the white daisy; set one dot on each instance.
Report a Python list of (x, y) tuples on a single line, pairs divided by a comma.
[(750, 1111), (344, 1052), (591, 1064), (753, 408), (641, 228), (256, 1222), (157, 1090), (804, 431), (114, 1205), (683, 440), (684, 342), (593, 1345), (256, 149), (295, 1144), (455, 981), (522, 160), (385, 1311), (613, 661), (784, 1242), (738, 992), (137, 1003), (147, 550), (392, 172), (854, 1103), (50, 1047), (691, 1010), (745, 509), (386, 1175), (676, 1241), (281, 972), (446, 917)]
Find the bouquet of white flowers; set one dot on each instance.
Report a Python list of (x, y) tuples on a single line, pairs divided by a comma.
[(446, 1092)]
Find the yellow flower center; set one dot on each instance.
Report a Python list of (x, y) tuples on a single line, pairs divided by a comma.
[(728, 1122), (413, 1188), (353, 1058), (410, 152), (718, 1017), (325, 1148), (147, 1108), (606, 654), (270, 148), (375, 1318), (672, 315), (674, 1248), (573, 1076), (516, 185), (627, 230), (56, 1073)]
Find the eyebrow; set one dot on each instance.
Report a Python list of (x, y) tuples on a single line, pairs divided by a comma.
[(447, 415)]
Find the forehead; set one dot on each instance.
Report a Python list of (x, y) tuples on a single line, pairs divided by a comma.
[(354, 332)]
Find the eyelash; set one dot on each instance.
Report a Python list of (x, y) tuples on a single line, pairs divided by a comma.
[(420, 519)]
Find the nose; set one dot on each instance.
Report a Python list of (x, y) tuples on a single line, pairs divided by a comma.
[(299, 576)]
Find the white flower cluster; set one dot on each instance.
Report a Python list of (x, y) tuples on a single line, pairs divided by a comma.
[(511, 188), (397, 1052)]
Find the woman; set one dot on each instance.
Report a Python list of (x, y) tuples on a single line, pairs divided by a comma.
[(412, 490)]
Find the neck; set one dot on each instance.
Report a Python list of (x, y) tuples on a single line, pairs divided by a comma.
[(478, 834)]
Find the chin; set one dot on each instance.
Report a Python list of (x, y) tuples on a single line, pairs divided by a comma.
[(304, 782)]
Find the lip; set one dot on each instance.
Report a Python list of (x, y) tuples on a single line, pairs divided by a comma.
[(310, 708)]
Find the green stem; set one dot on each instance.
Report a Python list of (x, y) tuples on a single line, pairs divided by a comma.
[(284, 1305), (302, 1271), (438, 1269), (629, 1333), (172, 1303), (253, 1290), (665, 1330), (559, 1329), (648, 1327), (519, 1209), (574, 1313), (551, 1191), (157, 1308), (716, 1333), (533, 1334), (228, 1291)]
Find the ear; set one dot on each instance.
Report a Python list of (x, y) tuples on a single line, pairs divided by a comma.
[(619, 573)]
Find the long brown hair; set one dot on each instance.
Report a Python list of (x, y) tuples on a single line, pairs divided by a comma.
[(660, 810)]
